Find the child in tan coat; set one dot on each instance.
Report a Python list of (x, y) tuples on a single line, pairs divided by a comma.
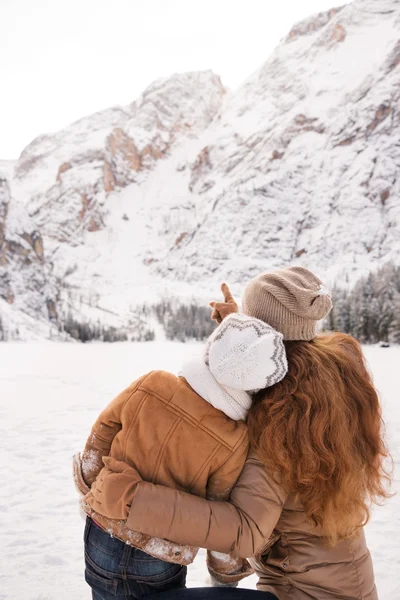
[(186, 432)]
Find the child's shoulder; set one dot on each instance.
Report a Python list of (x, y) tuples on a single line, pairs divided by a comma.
[(157, 381)]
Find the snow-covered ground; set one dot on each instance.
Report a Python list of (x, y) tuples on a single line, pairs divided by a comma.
[(50, 394)]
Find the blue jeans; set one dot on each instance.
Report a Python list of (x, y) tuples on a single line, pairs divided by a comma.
[(116, 570)]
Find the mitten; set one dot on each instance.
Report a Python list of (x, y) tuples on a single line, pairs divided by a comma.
[(112, 493), (222, 309)]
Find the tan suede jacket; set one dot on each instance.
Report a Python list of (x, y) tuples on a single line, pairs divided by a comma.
[(160, 425), (262, 521)]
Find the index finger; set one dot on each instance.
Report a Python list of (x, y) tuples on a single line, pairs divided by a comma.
[(227, 293)]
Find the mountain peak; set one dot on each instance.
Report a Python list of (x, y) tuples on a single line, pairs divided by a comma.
[(313, 23), (185, 187)]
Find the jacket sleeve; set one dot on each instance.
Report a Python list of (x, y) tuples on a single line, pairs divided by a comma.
[(242, 526), (106, 427), (227, 569), (80, 484)]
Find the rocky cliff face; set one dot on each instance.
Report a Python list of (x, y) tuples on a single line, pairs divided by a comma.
[(27, 285), (188, 186), (303, 164), (67, 176), (61, 188)]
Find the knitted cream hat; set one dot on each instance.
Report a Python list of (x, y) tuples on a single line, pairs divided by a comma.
[(292, 300), (244, 353)]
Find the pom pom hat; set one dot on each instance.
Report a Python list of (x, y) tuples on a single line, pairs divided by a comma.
[(291, 300)]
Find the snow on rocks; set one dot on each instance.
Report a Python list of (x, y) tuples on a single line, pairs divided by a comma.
[(189, 185)]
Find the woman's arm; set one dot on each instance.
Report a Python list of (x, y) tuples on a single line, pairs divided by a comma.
[(241, 526)]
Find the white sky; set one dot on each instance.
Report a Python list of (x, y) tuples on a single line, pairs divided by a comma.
[(63, 59)]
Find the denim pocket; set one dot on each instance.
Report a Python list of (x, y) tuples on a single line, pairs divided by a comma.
[(144, 565), (99, 581), (140, 587), (171, 577)]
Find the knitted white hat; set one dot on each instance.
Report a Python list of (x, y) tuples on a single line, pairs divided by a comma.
[(242, 355), (246, 354)]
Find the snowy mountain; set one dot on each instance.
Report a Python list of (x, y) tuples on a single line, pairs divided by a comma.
[(190, 185), (28, 287)]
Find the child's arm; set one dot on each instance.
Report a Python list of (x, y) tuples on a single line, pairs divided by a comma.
[(106, 427)]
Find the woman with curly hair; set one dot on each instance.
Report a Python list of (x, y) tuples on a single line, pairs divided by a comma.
[(316, 464)]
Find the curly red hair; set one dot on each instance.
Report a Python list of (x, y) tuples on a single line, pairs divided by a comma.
[(320, 429)]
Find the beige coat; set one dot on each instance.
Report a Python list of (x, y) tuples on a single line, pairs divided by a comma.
[(174, 437), (262, 521)]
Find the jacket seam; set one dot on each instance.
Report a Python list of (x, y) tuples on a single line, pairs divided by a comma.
[(185, 416), (209, 409), (161, 451), (136, 414), (167, 437), (238, 444), (95, 432), (203, 467), (135, 389)]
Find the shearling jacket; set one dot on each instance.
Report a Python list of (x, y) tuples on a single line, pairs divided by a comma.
[(174, 437), (289, 554)]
